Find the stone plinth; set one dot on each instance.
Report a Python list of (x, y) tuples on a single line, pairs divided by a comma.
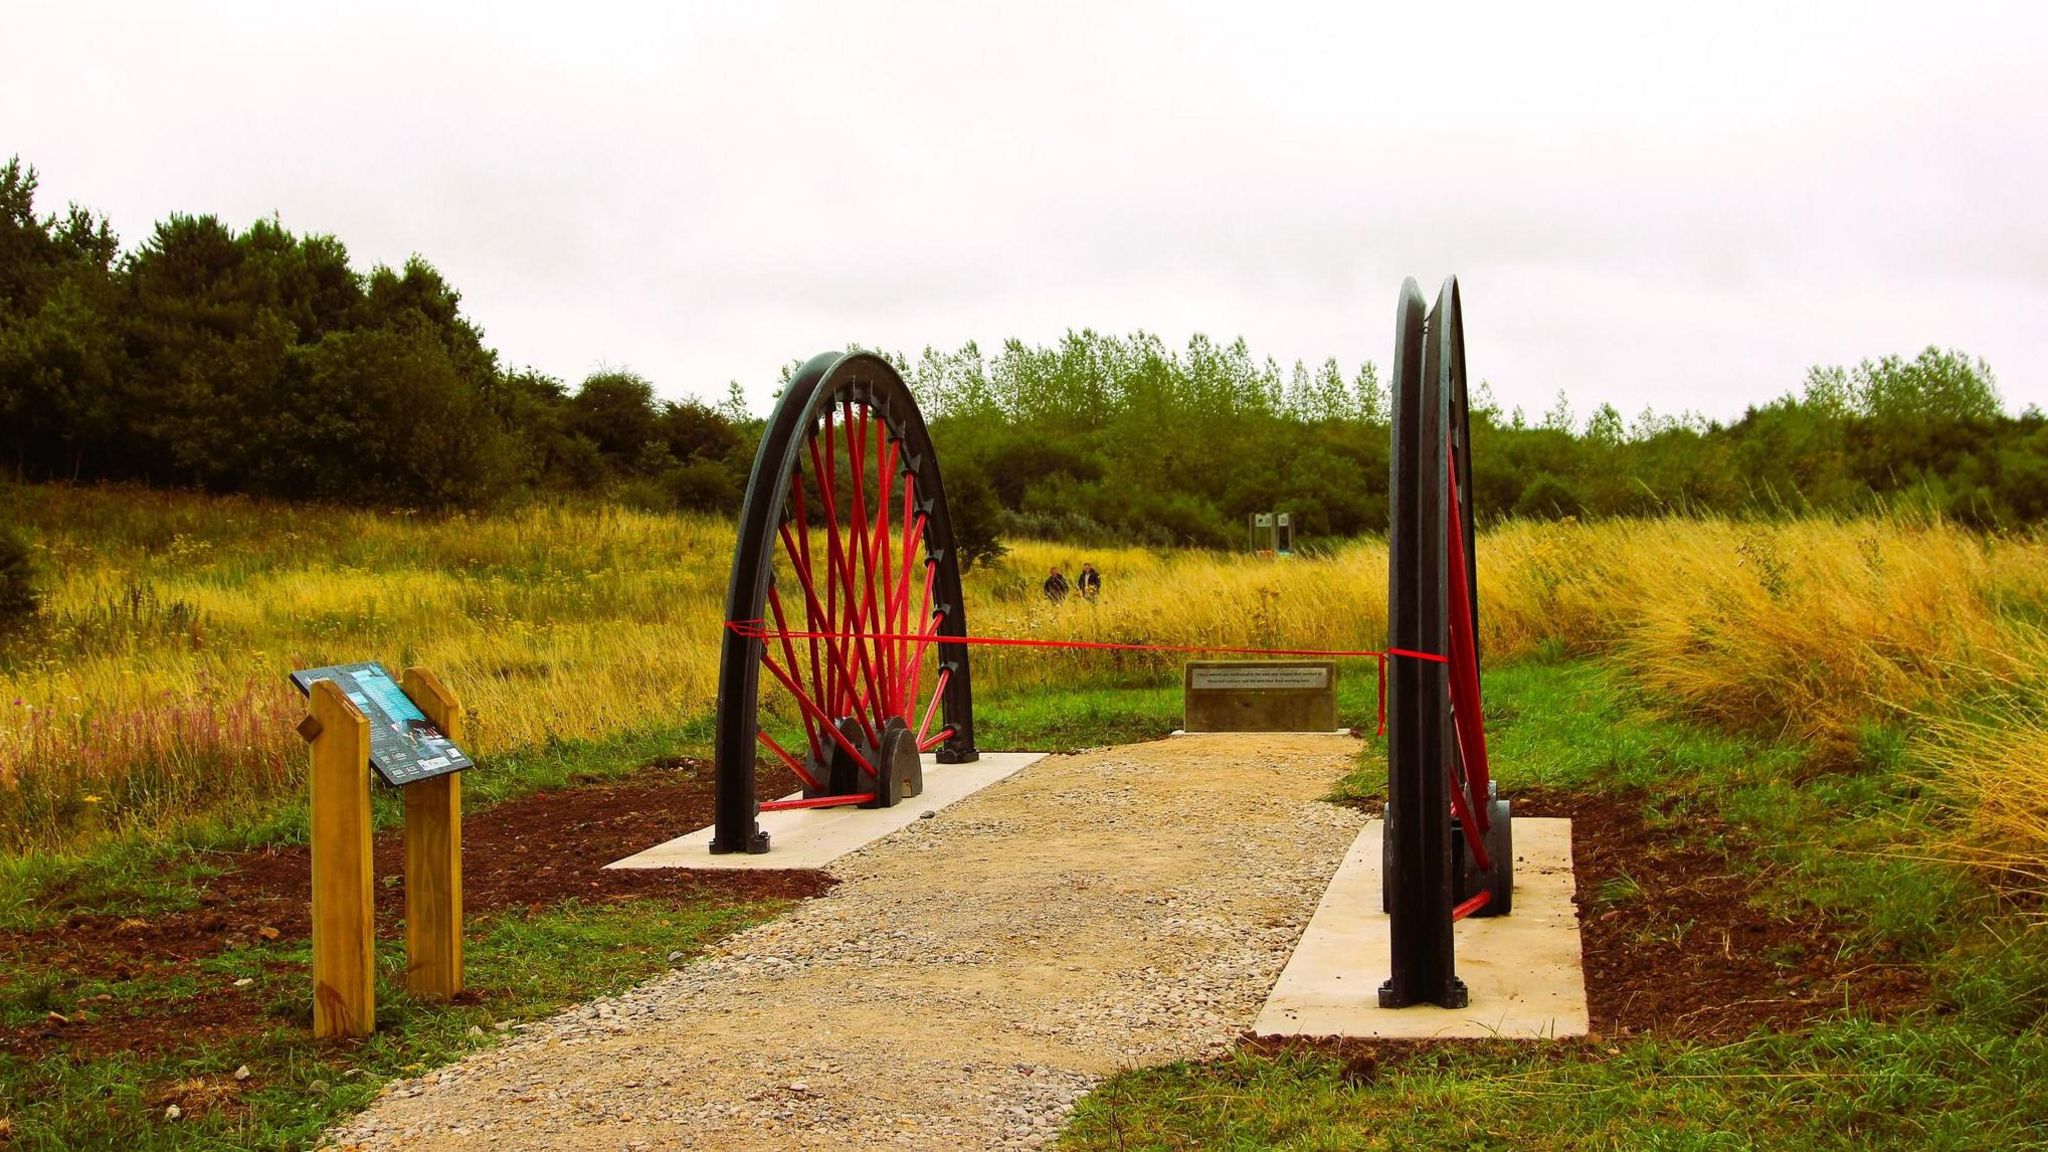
[(1260, 696)]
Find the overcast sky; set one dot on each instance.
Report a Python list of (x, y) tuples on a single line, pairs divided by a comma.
[(1644, 205)]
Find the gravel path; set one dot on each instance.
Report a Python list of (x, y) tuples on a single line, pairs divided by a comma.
[(973, 975)]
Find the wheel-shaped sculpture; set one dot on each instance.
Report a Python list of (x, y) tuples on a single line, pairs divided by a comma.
[(841, 659), (1474, 807), (1446, 850)]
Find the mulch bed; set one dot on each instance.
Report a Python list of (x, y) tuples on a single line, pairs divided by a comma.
[(1690, 953), (526, 854)]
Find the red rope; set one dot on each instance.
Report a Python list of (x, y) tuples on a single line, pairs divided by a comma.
[(759, 630)]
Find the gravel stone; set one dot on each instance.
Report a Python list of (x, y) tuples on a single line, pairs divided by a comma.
[(972, 977)]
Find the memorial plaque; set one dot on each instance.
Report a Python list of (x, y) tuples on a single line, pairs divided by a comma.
[(1264, 674), (1260, 696), (404, 745)]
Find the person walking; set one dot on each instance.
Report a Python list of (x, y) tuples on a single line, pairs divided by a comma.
[(1089, 582), (1056, 585)]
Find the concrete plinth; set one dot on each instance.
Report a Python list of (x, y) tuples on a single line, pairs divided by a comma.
[(1523, 970), (815, 837)]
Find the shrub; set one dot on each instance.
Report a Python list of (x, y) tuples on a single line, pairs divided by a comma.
[(18, 595), (1548, 498)]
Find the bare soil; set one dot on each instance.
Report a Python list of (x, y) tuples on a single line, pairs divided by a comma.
[(1687, 946), (1676, 940)]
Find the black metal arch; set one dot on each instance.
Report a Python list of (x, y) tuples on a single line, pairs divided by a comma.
[(828, 383), (1447, 850)]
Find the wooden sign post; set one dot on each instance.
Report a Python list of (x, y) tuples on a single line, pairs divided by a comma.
[(344, 928), (433, 855), (344, 923)]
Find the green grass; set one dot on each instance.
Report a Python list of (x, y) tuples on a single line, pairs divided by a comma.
[(527, 966), (1970, 1071), (1848, 1086)]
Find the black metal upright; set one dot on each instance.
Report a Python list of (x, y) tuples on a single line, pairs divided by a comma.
[(1419, 733)]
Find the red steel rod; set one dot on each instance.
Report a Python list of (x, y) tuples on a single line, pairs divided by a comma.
[(802, 561), (806, 777), (838, 737), (1465, 698), (818, 802), (885, 456), (1471, 905), (789, 654), (834, 653), (900, 619), (1468, 789), (826, 482), (938, 691), (899, 622), (859, 611)]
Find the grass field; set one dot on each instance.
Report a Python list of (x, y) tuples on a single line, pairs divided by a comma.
[(1866, 699), (154, 693)]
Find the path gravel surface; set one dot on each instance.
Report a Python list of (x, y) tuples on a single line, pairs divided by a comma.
[(972, 976)]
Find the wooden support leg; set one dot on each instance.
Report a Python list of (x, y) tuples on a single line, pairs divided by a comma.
[(344, 936), (433, 887), (433, 855)]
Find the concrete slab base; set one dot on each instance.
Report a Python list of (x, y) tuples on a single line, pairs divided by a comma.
[(1523, 970), (815, 837), (1331, 732)]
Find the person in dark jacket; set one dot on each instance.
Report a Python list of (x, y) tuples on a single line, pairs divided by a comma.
[(1089, 582), (1056, 585)]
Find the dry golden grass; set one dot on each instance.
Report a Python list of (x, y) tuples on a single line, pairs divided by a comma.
[(158, 685), (1989, 761)]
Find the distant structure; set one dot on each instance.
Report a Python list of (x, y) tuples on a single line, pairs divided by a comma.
[(1272, 533)]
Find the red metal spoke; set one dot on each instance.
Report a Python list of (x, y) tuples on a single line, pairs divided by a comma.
[(835, 652), (937, 739), (885, 651), (828, 481), (861, 591), (1468, 720), (839, 584), (1471, 905), (932, 709), (818, 802), (1462, 806), (838, 737), (933, 619), (802, 562), (859, 610), (899, 620), (924, 612), (789, 654), (913, 676), (786, 758)]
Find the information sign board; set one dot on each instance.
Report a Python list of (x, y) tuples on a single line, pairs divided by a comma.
[(404, 745)]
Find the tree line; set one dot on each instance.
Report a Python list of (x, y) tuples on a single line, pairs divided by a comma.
[(260, 361), (1126, 438)]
